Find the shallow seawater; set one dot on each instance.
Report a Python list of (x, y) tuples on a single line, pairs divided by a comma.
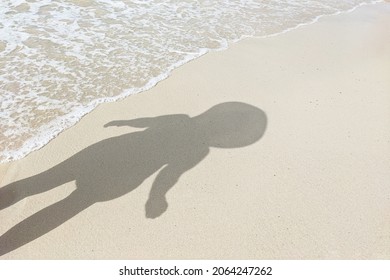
[(60, 58)]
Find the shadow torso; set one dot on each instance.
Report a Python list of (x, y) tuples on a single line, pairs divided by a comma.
[(116, 166)]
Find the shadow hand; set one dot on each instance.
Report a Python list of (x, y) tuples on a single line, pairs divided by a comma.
[(154, 208), (115, 123)]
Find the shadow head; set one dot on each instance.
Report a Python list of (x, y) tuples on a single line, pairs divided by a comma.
[(232, 125)]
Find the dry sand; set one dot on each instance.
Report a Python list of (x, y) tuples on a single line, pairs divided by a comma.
[(316, 185)]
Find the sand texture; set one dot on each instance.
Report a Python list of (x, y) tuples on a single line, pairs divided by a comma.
[(277, 148)]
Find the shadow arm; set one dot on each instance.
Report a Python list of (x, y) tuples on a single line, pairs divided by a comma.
[(165, 180), (142, 122), (146, 122)]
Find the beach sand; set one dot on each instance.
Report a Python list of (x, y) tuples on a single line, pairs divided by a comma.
[(296, 166)]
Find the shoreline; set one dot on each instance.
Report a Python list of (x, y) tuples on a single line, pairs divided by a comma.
[(51, 130), (313, 187)]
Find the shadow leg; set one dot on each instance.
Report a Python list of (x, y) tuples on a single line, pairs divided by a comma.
[(36, 184), (42, 222)]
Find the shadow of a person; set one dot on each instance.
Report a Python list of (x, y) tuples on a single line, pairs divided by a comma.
[(115, 166)]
